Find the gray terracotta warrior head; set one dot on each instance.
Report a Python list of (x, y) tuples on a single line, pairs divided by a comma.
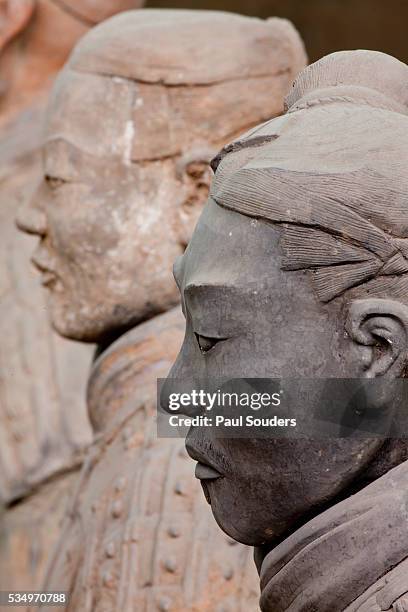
[(298, 268), (145, 101)]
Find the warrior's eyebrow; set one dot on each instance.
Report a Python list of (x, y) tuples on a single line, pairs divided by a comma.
[(193, 288)]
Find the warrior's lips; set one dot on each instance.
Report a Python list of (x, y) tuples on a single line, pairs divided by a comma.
[(206, 469), (48, 278), (206, 472), (206, 475)]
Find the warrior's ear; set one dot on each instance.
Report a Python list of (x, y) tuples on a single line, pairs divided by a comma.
[(195, 174), (14, 18), (380, 328)]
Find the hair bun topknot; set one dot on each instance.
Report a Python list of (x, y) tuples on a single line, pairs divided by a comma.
[(370, 77)]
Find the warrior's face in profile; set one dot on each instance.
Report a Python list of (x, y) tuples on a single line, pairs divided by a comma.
[(298, 269), (102, 254)]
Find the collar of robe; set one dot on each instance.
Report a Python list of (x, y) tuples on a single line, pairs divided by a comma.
[(351, 558)]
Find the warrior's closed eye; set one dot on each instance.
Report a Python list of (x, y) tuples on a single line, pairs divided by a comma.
[(205, 343), (53, 182)]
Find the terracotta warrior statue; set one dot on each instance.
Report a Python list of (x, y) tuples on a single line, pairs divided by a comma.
[(36, 440), (308, 215), (44, 427), (135, 116)]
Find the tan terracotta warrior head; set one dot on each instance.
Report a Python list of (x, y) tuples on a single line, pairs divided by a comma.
[(144, 102), (36, 37)]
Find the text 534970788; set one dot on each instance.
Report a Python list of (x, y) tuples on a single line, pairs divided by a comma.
[(33, 598)]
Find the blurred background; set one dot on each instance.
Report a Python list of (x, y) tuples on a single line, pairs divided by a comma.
[(325, 25)]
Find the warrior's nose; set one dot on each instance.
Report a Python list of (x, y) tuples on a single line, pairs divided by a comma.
[(179, 396), (31, 221)]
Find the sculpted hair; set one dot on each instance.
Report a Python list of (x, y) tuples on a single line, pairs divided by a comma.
[(157, 70), (332, 173)]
